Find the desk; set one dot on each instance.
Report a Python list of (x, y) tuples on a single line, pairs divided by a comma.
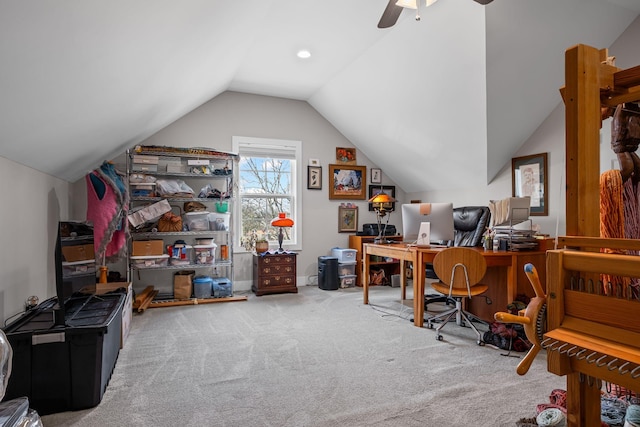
[(505, 276)]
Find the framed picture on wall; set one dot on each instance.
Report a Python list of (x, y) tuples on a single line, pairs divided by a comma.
[(529, 178), (347, 182), (347, 219), (345, 155), (314, 177), (390, 190), (376, 176)]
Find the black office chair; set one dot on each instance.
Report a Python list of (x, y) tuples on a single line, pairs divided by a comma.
[(469, 223)]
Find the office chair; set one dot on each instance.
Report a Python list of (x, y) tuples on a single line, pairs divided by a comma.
[(469, 223), (460, 270)]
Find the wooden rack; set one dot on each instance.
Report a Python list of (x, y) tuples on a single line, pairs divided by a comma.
[(591, 337)]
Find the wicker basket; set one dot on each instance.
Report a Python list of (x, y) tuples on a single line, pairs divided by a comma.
[(170, 222)]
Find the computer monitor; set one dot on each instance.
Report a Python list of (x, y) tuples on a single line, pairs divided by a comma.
[(438, 215)]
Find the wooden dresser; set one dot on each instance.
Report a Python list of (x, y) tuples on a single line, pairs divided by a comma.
[(274, 274)]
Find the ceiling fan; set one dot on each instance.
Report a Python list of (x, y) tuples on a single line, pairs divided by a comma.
[(394, 8)]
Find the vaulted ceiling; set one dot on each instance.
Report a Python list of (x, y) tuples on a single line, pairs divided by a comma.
[(81, 81)]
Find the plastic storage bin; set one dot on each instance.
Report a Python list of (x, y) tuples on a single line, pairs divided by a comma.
[(150, 261), (65, 367), (197, 221), (143, 189), (79, 267), (344, 255), (221, 287), (348, 281), (346, 268), (219, 221), (205, 254), (202, 286)]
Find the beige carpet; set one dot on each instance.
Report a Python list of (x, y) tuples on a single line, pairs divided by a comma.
[(317, 358)]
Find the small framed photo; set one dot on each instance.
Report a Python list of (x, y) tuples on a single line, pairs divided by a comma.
[(347, 182), (314, 162), (314, 177), (376, 176), (347, 219), (346, 156), (529, 178)]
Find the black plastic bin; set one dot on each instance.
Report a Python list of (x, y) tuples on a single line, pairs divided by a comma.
[(68, 366), (328, 273)]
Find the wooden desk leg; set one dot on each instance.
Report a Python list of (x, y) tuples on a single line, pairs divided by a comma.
[(403, 280), (512, 279), (419, 274), (365, 276)]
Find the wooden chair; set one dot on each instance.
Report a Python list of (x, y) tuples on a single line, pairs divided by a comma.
[(459, 269)]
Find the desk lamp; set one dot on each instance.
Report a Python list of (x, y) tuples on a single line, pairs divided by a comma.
[(281, 221), (380, 201)]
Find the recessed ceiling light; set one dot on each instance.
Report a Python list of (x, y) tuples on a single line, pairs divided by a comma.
[(304, 54)]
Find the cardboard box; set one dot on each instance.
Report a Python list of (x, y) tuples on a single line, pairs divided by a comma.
[(149, 160), (144, 167), (176, 168), (147, 247), (78, 253)]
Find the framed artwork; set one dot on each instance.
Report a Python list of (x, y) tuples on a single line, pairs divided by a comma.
[(314, 162), (314, 177), (376, 176), (529, 178), (347, 182), (388, 189), (347, 219), (346, 156)]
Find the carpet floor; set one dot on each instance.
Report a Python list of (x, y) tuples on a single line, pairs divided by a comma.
[(316, 358)]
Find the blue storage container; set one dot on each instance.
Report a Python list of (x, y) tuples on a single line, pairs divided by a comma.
[(202, 286), (221, 287)]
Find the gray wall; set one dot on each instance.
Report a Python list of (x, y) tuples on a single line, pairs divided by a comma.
[(32, 205), (236, 114)]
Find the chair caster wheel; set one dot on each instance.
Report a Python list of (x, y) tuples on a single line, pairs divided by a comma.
[(439, 337), (429, 326)]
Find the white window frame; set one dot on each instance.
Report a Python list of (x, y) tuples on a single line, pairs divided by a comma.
[(276, 146)]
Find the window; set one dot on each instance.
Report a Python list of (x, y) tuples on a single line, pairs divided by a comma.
[(269, 182)]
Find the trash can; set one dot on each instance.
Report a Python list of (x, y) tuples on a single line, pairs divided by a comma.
[(328, 273)]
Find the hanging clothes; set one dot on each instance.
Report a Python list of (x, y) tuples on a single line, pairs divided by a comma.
[(107, 207)]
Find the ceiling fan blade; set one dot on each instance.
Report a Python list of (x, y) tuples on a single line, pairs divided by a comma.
[(390, 15), (483, 2)]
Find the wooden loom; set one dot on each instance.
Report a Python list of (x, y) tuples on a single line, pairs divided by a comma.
[(590, 336)]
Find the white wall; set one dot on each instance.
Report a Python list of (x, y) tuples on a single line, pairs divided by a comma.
[(33, 203), (237, 114), (548, 138)]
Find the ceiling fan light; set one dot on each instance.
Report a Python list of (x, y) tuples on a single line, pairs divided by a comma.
[(413, 4), (409, 4)]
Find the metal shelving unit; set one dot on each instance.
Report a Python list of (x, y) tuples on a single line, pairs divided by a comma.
[(197, 167)]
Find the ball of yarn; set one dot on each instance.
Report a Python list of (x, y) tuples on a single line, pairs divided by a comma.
[(612, 410), (632, 416), (551, 417)]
